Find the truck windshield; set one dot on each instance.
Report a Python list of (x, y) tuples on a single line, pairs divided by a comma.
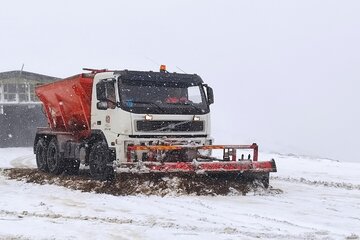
[(162, 97)]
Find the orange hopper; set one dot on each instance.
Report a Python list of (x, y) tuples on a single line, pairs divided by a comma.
[(67, 104)]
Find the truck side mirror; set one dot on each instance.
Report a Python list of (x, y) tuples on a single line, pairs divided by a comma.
[(102, 105), (210, 95)]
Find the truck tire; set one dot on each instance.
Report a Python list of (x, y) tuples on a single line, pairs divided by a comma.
[(55, 161), (41, 152), (99, 162)]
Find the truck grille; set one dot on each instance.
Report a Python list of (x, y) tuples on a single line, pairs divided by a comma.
[(170, 126)]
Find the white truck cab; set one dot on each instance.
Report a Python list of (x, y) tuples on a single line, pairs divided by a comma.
[(148, 108)]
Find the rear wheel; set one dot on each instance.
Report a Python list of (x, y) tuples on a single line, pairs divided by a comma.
[(99, 161), (55, 162), (41, 151)]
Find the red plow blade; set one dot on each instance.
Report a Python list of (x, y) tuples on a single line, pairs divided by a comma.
[(184, 160)]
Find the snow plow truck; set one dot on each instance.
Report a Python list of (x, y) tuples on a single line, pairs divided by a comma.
[(139, 122)]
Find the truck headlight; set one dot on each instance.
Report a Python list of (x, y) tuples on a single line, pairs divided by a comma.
[(148, 117), (196, 118)]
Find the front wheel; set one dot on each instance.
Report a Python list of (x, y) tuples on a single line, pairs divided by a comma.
[(99, 161)]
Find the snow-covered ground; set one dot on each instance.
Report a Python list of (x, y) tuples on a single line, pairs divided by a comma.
[(320, 200)]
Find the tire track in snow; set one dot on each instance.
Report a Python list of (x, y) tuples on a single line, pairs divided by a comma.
[(252, 231), (285, 222), (15, 237), (60, 216), (231, 231)]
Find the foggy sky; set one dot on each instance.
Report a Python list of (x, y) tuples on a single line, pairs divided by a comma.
[(285, 73)]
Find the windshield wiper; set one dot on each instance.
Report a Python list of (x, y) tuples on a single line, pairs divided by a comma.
[(193, 106), (188, 104), (144, 102)]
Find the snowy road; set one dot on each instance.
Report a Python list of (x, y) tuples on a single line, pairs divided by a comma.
[(320, 200)]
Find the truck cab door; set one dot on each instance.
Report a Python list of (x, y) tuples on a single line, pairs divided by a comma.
[(106, 104)]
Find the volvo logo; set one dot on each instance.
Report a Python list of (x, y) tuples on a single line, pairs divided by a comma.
[(171, 126)]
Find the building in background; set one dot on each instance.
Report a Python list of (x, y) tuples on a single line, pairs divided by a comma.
[(20, 110)]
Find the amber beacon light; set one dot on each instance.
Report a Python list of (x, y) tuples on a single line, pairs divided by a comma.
[(162, 68)]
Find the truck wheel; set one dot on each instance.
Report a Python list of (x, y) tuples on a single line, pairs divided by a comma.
[(41, 151), (54, 160), (98, 161), (72, 167)]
